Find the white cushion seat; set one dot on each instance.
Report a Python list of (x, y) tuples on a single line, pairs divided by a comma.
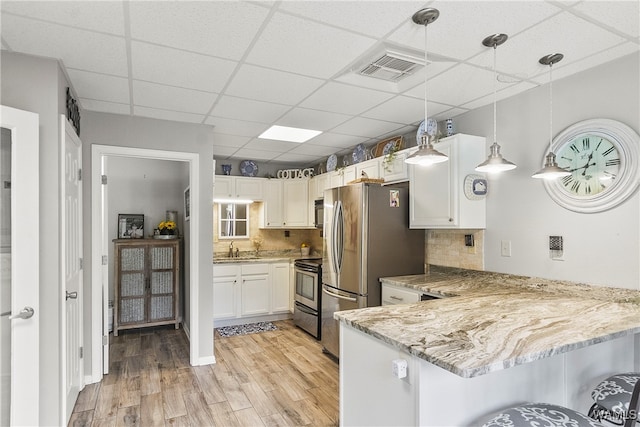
[(613, 396), (540, 415)]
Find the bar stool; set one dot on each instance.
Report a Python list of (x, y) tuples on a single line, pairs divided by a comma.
[(540, 414), (616, 399)]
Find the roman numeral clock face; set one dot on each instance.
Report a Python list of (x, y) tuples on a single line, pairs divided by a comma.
[(594, 163), (602, 156)]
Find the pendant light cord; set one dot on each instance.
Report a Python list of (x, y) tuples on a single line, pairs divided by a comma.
[(495, 78), (425, 83), (550, 106)]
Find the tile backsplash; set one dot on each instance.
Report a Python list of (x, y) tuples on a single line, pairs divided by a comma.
[(447, 248)]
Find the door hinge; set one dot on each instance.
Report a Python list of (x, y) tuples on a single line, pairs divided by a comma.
[(105, 260), (79, 174), (81, 263), (81, 352), (104, 179), (105, 340)]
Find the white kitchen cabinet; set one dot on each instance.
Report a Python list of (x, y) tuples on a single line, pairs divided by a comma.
[(225, 294), (342, 176), (395, 170), (255, 292), (436, 196), (394, 295), (251, 291), (238, 187), (286, 204), (370, 167), (280, 287)]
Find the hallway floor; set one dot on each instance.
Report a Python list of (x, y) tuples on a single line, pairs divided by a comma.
[(275, 378)]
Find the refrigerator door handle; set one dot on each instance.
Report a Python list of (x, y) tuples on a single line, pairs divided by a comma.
[(339, 235), (335, 259), (332, 294)]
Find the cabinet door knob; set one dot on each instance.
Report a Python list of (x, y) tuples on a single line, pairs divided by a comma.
[(450, 219)]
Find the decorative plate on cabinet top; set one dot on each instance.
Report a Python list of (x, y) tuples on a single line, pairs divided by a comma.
[(248, 168), (359, 154), (332, 162), (430, 129)]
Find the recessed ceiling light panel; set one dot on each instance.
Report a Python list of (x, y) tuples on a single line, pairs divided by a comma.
[(285, 133)]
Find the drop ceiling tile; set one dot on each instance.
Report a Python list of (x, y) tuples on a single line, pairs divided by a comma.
[(253, 154), (221, 139), (459, 85), (338, 141), (364, 127), (76, 48), (312, 119), (104, 107), (462, 25), (263, 84), (314, 150), (345, 99), (172, 98), (271, 145), (100, 87), (175, 116), (312, 49), (564, 33), (375, 18), (500, 95), (451, 114), (236, 127), (296, 158), (219, 28), (232, 107), (621, 16), (179, 68), (102, 16), (225, 152), (401, 109)]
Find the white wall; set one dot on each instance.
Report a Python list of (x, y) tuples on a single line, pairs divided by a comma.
[(138, 132), (144, 186), (601, 248)]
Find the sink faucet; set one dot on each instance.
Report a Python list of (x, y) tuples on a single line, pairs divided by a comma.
[(231, 249)]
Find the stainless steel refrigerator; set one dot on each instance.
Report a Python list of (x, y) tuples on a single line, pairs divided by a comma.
[(366, 236)]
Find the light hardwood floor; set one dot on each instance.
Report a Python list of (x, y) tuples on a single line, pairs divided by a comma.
[(275, 378)]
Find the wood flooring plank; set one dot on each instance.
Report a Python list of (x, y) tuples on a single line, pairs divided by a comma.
[(197, 409), (275, 420), (260, 401), (128, 417), (104, 422), (173, 403), (248, 417), (107, 402), (150, 380), (129, 392), (87, 399), (188, 382), (81, 419), (290, 409), (223, 415), (212, 390), (178, 422), (151, 412), (313, 411)]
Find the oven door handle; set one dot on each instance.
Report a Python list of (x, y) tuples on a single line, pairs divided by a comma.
[(305, 309), (306, 269), (332, 294)]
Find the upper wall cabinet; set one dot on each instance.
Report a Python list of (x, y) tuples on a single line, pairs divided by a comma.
[(286, 204), (238, 187), (437, 198)]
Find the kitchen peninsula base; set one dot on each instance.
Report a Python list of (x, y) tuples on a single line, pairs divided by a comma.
[(431, 396)]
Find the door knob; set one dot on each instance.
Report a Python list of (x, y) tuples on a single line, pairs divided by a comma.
[(25, 313), (71, 295)]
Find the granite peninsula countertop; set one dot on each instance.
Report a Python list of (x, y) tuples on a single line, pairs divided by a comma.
[(493, 321)]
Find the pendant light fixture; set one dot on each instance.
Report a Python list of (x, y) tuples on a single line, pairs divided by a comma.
[(426, 154), (495, 162), (551, 171)]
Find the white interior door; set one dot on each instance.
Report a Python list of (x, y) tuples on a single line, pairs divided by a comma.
[(104, 231), (19, 299), (71, 268)]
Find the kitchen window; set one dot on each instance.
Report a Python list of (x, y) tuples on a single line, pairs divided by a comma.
[(233, 220)]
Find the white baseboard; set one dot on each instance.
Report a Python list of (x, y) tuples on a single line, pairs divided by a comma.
[(187, 332), (245, 320), (208, 360)]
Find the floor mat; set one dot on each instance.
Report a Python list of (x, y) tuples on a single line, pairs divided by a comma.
[(251, 328)]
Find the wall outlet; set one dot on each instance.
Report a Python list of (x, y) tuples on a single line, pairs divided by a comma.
[(468, 240), (399, 368), (505, 247), (556, 248)]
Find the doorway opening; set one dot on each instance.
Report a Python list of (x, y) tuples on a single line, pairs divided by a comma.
[(104, 159)]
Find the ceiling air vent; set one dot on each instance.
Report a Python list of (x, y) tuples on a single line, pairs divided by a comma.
[(392, 66)]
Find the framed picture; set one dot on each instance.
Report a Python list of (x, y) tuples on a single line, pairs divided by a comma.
[(385, 147), (130, 226), (187, 203)]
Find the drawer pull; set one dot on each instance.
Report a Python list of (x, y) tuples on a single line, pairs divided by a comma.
[(396, 298)]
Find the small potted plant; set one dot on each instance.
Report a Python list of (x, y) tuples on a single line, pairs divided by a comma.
[(167, 228), (305, 249)]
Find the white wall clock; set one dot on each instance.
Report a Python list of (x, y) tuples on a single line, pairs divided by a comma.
[(602, 156)]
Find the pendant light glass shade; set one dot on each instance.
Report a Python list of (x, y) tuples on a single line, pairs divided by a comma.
[(551, 171), (426, 154), (495, 162)]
